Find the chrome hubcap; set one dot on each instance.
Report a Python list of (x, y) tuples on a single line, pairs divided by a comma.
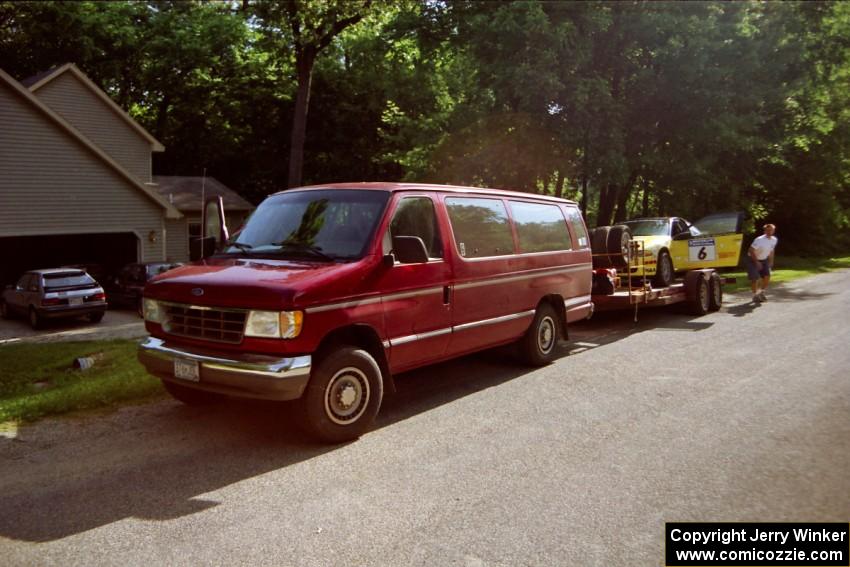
[(546, 335), (347, 396)]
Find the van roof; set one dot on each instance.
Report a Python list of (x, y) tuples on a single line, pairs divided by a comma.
[(398, 187)]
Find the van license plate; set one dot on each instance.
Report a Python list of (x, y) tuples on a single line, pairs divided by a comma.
[(186, 370)]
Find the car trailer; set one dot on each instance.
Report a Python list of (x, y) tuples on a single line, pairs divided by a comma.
[(701, 290)]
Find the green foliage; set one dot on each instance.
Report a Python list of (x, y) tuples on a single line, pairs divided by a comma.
[(632, 108)]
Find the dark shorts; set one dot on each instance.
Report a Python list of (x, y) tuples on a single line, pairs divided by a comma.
[(755, 273)]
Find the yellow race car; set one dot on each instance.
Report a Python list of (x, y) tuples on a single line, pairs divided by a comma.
[(672, 244)]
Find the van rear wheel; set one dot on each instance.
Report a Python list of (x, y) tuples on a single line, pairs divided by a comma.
[(343, 396), (537, 346)]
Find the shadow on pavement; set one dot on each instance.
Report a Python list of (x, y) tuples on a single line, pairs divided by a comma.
[(157, 462)]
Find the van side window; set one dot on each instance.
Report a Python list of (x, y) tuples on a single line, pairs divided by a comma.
[(574, 218), (481, 227), (415, 216), (540, 227)]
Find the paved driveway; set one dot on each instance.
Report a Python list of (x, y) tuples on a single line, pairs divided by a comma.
[(117, 324)]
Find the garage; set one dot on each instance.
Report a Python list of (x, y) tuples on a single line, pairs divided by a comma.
[(107, 251)]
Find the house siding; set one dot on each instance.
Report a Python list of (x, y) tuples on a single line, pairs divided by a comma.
[(51, 184), (71, 99), (177, 241)]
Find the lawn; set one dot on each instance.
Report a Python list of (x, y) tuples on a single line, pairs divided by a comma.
[(38, 379), (788, 268)]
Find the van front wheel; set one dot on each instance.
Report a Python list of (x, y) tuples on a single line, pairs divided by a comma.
[(537, 347), (343, 396)]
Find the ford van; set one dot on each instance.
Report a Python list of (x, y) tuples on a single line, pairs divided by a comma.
[(326, 292)]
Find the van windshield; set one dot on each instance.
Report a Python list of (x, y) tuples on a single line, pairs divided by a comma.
[(323, 225)]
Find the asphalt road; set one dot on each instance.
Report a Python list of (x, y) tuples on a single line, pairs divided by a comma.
[(741, 415), (116, 324)]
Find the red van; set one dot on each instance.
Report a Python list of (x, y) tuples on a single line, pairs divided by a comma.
[(328, 291)]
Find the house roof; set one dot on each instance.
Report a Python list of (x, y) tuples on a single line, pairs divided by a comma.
[(171, 211), (38, 81), (187, 193)]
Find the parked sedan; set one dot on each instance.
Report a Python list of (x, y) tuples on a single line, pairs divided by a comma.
[(672, 244), (53, 294), (127, 287)]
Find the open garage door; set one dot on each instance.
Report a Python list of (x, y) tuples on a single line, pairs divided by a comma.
[(105, 253)]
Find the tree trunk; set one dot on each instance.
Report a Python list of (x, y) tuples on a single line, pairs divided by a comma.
[(623, 199), (304, 63), (559, 185), (645, 211)]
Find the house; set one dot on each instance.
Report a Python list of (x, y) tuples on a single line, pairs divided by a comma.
[(188, 194), (76, 183)]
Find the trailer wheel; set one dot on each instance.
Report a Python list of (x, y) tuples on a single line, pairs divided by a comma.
[(715, 288), (697, 292), (343, 396), (663, 270), (619, 238), (537, 346), (599, 245)]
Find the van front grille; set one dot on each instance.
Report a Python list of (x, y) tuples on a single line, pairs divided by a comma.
[(209, 324)]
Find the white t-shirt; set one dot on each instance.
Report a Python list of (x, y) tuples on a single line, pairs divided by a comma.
[(763, 246)]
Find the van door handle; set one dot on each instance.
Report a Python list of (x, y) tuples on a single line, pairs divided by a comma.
[(446, 295)]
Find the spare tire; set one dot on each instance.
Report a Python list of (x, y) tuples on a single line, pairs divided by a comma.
[(599, 246), (619, 239)]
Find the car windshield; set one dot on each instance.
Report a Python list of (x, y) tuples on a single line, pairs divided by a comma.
[(327, 225), (67, 279), (649, 227)]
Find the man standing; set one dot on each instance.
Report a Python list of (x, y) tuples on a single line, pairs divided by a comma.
[(760, 262)]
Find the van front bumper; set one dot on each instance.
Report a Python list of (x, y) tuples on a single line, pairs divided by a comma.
[(245, 376)]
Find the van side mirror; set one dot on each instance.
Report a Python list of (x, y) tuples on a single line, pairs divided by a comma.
[(214, 227), (410, 250)]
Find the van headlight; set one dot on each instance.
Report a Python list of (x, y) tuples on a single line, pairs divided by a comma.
[(152, 310), (274, 324)]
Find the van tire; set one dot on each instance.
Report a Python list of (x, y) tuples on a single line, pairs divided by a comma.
[(715, 292), (190, 396), (538, 345), (619, 239), (599, 246), (343, 396), (663, 270)]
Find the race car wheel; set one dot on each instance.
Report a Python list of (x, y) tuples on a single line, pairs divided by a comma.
[(619, 238), (715, 296), (663, 270)]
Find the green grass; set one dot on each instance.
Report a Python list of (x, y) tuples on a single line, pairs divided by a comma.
[(788, 268), (38, 379)]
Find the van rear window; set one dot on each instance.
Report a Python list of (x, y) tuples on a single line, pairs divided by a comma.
[(541, 228), (481, 227)]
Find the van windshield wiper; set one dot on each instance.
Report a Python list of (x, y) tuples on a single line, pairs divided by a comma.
[(304, 247)]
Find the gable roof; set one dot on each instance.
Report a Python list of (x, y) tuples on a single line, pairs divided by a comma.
[(186, 193), (37, 81), (62, 124)]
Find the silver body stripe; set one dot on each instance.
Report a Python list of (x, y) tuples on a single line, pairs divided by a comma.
[(582, 300), (419, 337), (526, 276), (378, 299), (439, 289), (501, 319)]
